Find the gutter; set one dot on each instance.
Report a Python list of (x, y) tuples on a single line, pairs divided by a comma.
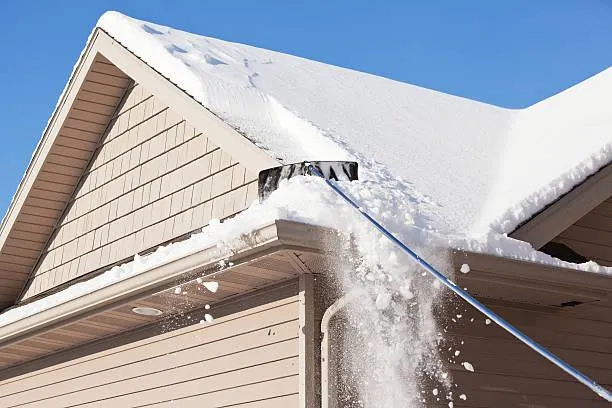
[(263, 241)]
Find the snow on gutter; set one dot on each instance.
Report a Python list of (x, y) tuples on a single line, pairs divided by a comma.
[(155, 273)]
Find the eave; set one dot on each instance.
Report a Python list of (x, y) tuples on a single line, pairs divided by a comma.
[(273, 254), (568, 209)]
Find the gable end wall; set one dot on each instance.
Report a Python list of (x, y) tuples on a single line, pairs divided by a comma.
[(154, 178)]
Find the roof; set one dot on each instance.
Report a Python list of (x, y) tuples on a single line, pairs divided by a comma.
[(486, 168), (464, 169)]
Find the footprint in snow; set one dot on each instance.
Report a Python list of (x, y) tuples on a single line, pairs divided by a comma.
[(151, 30), (175, 49), (251, 79), (213, 61)]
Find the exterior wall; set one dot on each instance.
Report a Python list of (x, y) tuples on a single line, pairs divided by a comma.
[(591, 236), (507, 373), (248, 358), (154, 178)]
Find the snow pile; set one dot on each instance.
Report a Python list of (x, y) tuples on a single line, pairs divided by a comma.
[(487, 168)]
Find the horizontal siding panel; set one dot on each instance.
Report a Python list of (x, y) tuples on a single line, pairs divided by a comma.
[(58, 178), (22, 243), (153, 178), (77, 133), (53, 187), (49, 195), (91, 117), (72, 151), (109, 79), (235, 397), (28, 235), (109, 69), (501, 398), (108, 100), (54, 168), (589, 235), (181, 340), (253, 352), (102, 89), (95, 107), (596, 252), (240, 351), (224, 372), (91, 127)]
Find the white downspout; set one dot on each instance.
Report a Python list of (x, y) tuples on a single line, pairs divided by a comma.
[(331, 311)]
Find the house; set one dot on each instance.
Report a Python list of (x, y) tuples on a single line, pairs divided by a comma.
[(112, 296)]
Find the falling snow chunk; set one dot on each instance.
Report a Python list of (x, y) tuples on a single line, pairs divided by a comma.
[(487, 321), (211, 286), (206, 307), (457, 352), (450, 404), (435, 391), (177, 290), (463, 397), (468, 366), (383, 300), (199, 280), (465, 268), (208, 318)]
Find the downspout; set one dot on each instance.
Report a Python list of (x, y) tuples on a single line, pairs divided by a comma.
[(331, 311)]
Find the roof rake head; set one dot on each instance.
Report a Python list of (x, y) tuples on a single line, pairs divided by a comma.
[(269, 179)]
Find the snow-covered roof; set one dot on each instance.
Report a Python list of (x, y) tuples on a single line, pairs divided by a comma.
[(485, 168), (434, 167)]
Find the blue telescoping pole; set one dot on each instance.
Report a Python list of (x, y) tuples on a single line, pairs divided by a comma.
[(598, 389)]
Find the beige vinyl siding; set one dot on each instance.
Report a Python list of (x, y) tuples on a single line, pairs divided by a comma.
[(506, 372), (591, 236), (154, 178), (245, 359)]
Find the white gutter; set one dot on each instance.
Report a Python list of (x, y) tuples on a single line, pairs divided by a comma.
[(269, 238)]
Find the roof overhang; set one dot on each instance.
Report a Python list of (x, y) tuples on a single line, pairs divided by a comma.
[(270, 255), (568, 209), (273, 254)]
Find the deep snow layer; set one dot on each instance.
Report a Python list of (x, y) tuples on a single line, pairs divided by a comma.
[(486, 168)]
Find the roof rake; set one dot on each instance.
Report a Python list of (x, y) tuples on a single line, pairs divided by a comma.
[(330, 172)]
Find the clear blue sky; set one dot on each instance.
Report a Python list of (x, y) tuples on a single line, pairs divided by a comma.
[(510, 53)]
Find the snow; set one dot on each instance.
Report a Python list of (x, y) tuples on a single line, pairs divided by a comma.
[(468, 366), (484, 168), (465, 268), (211, 286)]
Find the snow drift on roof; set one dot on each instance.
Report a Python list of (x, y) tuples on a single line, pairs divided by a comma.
[(485, 167)]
